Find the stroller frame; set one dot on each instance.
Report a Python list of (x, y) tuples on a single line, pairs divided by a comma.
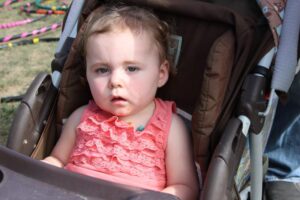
[(222, 164)]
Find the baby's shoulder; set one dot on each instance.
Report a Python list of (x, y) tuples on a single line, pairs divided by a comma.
[(177, 124), (79, 111), (77, 114)]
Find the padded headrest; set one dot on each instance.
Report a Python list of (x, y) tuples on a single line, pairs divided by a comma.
[(210, 102)]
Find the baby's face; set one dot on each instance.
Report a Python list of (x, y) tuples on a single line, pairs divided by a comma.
[(124, 71)]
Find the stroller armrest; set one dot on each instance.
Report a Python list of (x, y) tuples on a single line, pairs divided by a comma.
[(220, 177), (30, 117)]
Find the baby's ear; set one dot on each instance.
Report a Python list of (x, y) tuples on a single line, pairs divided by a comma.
[(163, 73)]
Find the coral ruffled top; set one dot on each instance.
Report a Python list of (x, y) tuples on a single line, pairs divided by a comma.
[(111, 149)]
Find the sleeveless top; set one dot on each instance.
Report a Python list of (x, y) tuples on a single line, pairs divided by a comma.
[(110, 149)]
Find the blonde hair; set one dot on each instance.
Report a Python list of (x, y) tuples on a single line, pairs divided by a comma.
[(132, 17)]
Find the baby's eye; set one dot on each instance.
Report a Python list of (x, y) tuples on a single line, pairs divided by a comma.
[(102, 70), (132, 68)]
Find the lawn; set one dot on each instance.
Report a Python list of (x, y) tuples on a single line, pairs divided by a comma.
[(20, 64)]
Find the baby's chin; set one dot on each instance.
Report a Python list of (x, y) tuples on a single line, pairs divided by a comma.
[(120, 114)]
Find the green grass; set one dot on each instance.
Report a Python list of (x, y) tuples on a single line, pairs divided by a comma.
[(19, 65), (6, 113)]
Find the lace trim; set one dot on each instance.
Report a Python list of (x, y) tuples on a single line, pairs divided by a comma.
[(119, 148)]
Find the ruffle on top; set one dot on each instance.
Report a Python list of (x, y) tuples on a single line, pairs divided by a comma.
[(109, 146)]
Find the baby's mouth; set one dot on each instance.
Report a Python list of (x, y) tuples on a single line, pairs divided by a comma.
[(118, 99)]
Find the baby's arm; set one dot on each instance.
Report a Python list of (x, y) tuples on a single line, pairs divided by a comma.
[(60, 153), (181, 171)]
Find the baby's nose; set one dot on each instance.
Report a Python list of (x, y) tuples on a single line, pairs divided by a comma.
[(116, 79)]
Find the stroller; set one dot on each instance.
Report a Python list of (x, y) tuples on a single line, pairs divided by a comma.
[(219, 87)]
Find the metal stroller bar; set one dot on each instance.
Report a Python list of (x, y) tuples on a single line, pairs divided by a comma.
[(252, 101), (70, 31), (71, 22), (257, 141), (282, 79), (286, 59), (56, 75)]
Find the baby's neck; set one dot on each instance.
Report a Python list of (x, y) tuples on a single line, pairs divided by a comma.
[(140, 120)]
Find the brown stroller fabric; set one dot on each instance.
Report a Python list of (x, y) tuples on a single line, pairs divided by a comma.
[(219, 47), (209, 105)]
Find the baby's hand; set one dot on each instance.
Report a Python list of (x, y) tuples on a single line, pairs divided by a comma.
[(53, 161)]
